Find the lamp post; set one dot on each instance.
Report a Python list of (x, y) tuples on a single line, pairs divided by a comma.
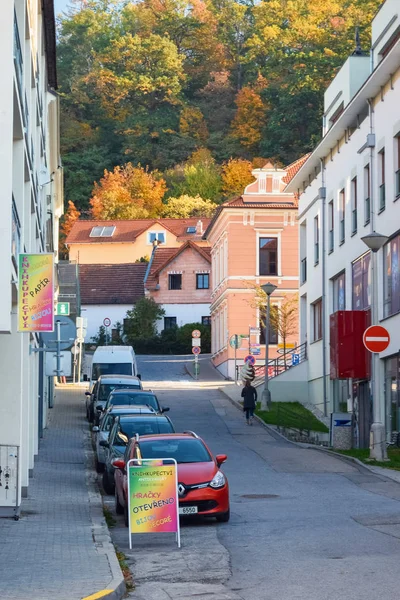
[(268, 288), (374, 241)]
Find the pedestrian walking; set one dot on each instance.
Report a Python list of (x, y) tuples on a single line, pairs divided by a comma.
[(249, 395)]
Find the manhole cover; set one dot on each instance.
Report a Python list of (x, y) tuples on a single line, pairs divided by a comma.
[(259, 496)]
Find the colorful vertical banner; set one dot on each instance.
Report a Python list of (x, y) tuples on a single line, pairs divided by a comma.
[(153, 504), (36, 292)]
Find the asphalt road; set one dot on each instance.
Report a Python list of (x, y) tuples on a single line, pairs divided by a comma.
[(304, 525)]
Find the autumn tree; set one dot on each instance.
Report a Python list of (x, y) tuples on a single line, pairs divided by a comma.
[(186, 206), (192, 124), (199, 176), (236, 175), (248, 122), (69, 218), (127, 192)]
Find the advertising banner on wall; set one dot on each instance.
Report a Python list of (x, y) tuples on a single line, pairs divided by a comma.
[(153, 505), (36, 292)]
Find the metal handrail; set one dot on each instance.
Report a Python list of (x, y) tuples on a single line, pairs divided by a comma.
[(279, 365)]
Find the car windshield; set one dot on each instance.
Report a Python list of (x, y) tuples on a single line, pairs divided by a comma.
[(183, 450), (143, 427), (107, 388), (132, 399), (111, 369)]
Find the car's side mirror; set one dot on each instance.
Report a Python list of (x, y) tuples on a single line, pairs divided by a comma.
[(220, 459), (139, 376), (88, 394), (85, 377), (99, 408), (164, 409), (118, 463), (104, 444), (95, 429)]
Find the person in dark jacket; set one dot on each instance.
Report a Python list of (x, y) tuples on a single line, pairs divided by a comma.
[(249, 395)]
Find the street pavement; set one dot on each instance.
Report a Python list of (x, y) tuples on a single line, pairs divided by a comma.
[(51, 553), (304, 525)]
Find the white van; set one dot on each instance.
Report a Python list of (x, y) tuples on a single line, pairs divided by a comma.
[(113, 360)]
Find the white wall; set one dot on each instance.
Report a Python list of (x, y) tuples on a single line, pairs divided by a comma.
[(96, 313), (184, 313)]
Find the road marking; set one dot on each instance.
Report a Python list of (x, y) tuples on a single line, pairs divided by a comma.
[(97, 595), (376, 339)]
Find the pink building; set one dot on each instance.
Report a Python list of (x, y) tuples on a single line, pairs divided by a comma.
[(179, 279), (254, 239)]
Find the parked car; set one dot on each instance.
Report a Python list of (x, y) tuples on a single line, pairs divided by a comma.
[(124, 428), (102, 389), (102, 431), (113, 360), (202, 487), (122, 397)]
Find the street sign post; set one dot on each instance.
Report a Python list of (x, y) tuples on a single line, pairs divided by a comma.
[(196, 350), (235, 342), (295, 359), (63, 308), (196, 333), (196, 342), (250, 359), (376, 338)]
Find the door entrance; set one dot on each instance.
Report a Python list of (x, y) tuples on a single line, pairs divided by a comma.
[(362, 410)]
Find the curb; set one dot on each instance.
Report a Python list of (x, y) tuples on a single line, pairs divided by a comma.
[(116, 588), (349, 459)]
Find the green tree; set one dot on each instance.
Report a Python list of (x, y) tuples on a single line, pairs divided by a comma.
[(184, 336), (141, 321), (102, 337), (186, 206)]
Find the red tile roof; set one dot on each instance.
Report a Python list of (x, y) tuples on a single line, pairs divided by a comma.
[(294, 167), (238, 202), (163, 256), (112, 284), (129, 230)]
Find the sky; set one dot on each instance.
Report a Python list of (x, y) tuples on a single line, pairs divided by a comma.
[(60, 5)]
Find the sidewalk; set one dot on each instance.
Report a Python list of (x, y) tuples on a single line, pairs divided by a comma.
[(60, 547), (208, 373)]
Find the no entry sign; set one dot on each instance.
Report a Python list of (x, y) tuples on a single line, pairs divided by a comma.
[(376, 338)]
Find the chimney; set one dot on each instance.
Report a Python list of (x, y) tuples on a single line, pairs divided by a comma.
[(199, 227)]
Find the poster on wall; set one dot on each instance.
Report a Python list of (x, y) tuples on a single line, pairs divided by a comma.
[(36, 292), (153, 505)]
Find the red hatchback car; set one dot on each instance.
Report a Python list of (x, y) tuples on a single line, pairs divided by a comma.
[(202, 487)]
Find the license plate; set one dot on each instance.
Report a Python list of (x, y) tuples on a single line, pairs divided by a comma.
[(188, 510)]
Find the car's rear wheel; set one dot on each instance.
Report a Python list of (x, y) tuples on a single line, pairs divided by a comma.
[(107, 485), (126, 516), (223, 517), (119, 509)]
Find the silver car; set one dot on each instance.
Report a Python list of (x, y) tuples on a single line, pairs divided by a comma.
[(102, 389), (102, 431)]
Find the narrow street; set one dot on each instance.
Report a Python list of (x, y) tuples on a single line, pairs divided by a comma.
[(304, 525)]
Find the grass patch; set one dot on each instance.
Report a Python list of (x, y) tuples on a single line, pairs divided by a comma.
[(111, 522), (363, 455), (291, 415), (125, 570)]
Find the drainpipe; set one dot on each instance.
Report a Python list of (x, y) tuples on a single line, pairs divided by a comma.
[(155, 245), (371, 144), (322, 195)]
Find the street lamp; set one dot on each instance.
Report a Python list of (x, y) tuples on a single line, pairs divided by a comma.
[(268, 288), (374, 241)]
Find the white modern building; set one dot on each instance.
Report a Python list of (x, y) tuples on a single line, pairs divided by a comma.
[(31, 204), (348, 188)]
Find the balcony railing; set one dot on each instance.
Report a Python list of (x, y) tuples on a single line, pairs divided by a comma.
[(18, 61), (382, 197), (303, 272)]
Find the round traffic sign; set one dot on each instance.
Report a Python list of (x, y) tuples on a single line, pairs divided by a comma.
[(107, 322), (196, 349), (250, 359), (376, 338), (67, 333), (235, 341), (196, 333)]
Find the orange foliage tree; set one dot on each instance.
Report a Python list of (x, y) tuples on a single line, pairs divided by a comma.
[(248, 120), (72, 214), (128, 192), (236, 174)]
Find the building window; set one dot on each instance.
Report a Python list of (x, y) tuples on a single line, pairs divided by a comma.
[(361, 272), (268, 256), (202, 281), (316, 240), (397, 172), (331, 226), (367, 195), (174, 282), (354, 205), (169, 322), (342, 213), (382, 191), (317, 320), (273, 332), (392, 277), (339, 292), (206, 321), (156, 235), (102, 231)]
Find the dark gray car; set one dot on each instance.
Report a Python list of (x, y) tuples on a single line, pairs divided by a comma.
[(105, 384)]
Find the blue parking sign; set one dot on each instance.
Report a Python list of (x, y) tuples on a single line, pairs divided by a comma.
[(295, 359)]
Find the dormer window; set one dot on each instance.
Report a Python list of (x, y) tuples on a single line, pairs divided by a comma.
[(191, 230), (156, 235), (102, 231)]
